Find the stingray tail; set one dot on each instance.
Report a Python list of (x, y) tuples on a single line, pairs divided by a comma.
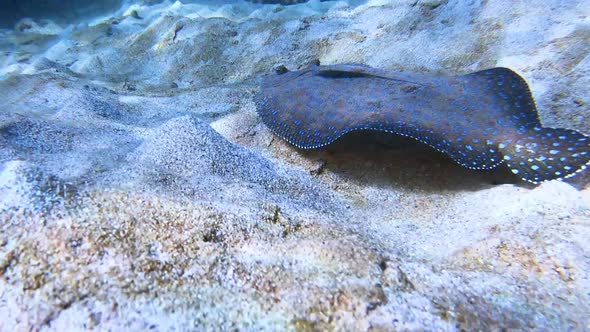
[(547, 154)]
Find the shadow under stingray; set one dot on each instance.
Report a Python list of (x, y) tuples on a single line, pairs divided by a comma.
[(391, 161)]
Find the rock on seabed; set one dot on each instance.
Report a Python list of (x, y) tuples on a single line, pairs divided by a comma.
[(139, 190)]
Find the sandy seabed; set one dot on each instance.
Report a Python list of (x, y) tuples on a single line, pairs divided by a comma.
[(139, 190)]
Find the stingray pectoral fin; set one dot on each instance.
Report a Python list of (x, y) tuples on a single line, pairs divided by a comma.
[(511, 92), (547, 154)]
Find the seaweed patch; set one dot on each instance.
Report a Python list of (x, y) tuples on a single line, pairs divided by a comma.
[(481, 120)]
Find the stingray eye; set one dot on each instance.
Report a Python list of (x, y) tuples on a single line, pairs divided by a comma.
[(409, 88), (280, 69)]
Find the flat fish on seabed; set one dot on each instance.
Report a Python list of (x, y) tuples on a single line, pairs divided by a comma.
[(481, 120)]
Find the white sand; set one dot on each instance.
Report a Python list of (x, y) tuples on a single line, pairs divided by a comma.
[(138, 188)]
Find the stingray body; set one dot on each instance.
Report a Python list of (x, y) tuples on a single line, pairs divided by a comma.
[(481, 119)]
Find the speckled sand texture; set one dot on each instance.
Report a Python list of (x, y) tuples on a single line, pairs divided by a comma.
[(139, 190)]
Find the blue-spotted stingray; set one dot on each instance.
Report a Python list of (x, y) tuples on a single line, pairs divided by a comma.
[(480, 120)]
